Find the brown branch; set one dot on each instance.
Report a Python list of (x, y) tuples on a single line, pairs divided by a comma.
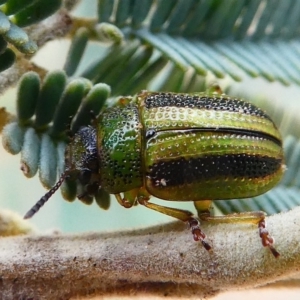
[(56, 26), (9, 77), (161, 261)]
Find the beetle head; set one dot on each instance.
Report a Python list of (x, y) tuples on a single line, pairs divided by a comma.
[(81, 162), (81, 158)]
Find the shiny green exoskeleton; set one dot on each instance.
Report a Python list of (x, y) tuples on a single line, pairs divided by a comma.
[(179, 147)]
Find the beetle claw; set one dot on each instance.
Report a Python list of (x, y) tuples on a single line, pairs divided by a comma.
[(274, 251), (206, 245)]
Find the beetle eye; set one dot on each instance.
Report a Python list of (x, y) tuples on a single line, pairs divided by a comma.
[(85, 176)]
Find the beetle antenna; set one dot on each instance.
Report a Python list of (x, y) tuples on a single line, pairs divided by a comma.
[(46, 197)]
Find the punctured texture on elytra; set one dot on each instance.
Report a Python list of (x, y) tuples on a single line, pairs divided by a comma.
[(219, 144)]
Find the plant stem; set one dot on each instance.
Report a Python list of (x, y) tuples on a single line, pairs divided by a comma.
[(162, 260)]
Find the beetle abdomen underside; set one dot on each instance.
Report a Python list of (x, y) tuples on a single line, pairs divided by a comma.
[(208, 147)]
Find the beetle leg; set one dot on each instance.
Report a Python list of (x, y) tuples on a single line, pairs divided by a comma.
[(203, 207), (254, 217), (182, 215), (266, 239), (129, 198)]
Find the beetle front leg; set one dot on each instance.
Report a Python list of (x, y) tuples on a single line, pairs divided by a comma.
[(255, 217), (182, 215), (129, 198)]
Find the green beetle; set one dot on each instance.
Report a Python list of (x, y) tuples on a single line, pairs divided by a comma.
[(178, 147)]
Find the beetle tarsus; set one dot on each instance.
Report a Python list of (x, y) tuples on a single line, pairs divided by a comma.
[(266, 239), (197, 233)]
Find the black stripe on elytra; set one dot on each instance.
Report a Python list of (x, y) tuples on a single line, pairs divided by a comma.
[(218, 103), (150, 133), (185, 171)]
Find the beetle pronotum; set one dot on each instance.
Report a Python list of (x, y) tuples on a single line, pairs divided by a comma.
[(178, 147)]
